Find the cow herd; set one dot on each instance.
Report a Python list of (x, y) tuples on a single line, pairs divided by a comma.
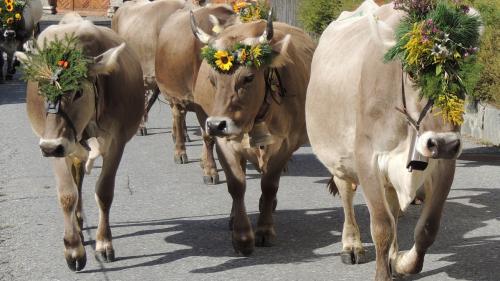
[(260, 90)]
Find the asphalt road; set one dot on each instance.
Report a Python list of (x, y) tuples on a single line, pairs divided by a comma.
[(167, 225)]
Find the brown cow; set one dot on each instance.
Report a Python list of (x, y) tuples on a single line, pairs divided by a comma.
[(236, 99), (139, 23), (358, 135), (177, 65), (105, 113)]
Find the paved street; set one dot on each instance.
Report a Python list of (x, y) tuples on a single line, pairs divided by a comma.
[(167, 225)]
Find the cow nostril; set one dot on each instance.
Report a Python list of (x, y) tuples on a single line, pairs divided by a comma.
[(59, 150), (431, 143), (222, 126)]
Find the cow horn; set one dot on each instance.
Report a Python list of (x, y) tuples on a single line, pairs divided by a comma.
[(269, 32), (198, 33)]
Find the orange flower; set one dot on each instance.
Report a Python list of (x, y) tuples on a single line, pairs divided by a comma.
[(9, 7)]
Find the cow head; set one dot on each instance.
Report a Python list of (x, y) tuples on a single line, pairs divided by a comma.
[(438, 138), (238, 83), (68, 114)]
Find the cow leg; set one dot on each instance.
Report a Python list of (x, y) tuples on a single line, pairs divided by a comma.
[(436, 190), (11, 70), (242, 234), (381, 221), (78, 172), (142, 127), (67, 192), (1, 67), (104, 196), (210, 174), (352, 248), (265, 235), (179, 116)]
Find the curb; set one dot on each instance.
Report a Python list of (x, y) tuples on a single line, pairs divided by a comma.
[(483, 125)]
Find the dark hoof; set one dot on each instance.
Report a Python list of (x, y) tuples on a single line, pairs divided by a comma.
[(264, 239), (181, 159), (244, 245), (76, 264), (211, 180), (105, 256), (230, 224), (353, 257), (8, 77), (261, 204)]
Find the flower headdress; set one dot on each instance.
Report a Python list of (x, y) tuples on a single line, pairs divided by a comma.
[(11, 13), (436, 44), (225, 61), (251, 10), (59, 68)]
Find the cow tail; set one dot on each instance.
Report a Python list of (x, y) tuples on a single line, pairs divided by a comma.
[(332, 187)]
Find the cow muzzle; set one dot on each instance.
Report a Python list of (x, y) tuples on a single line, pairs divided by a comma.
[(53, 147), (221, 127), (440, 145), (9, 34)]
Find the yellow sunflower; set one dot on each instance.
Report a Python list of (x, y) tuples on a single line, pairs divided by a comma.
[(238, 6), (9, 2), (10, 20), (9, 7), (256, 52), (224, 60), (17, 16)]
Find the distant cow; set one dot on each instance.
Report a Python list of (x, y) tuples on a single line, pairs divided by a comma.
[(358, 135), (139, 23), (13, 37), (104, 114), (177, 64), (234, 102)]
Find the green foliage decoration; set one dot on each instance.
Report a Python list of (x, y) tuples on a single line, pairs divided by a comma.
[(437, 46), (59, 67), (225, 61)]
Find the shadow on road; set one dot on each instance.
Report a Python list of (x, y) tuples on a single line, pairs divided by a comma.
[(306, 235), (13, 92)]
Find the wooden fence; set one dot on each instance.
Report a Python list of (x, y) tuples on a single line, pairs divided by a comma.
[(286, 11)]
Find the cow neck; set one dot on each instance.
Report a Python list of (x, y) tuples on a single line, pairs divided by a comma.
[(274, 91), (412, 122)]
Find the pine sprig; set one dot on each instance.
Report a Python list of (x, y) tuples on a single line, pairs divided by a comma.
[(46, 65), (437, 48)]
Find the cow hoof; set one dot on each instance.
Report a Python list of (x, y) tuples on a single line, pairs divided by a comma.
[(230, 223), (76, 264), (211, 180), (105, 256), (181, 159), (244, 245), (355, 256), (261, 204), (265, 238)]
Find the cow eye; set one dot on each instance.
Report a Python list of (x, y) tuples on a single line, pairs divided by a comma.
[(248, 79), (78, 94)]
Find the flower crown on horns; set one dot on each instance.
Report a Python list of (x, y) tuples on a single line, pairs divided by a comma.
[(11, 13), (59, 68), (436, 44), (226, 61)]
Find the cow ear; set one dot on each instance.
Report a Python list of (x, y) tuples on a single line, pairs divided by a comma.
[(22, 57), (106, 62), (281, 49)]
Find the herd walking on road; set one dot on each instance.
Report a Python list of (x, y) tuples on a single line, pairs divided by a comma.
[(260, 90)]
